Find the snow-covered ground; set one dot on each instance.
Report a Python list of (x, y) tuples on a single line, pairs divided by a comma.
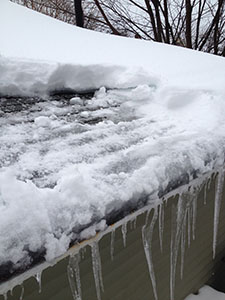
[(157, 113), (207, 293)]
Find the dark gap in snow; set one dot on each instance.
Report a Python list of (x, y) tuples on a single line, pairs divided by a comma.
[(93, 121), (115, 212), (11, 104), (184, 178), (70, 92), (173, 184)]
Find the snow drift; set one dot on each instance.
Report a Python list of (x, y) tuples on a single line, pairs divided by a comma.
[(32, 57)]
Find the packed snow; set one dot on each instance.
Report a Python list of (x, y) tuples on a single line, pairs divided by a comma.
[(207, 293), (153, 113)]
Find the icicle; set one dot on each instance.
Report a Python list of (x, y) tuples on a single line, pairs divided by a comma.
[(218, 198), (182, 205), (5, 296), (83, 251), (38, 279), (97, 269), (161, 226), (73, 272), (205, 191), (210, 182), (11, 292), (22, 292), (112, 244), (147, 234), (124, 232), (173, 255), (183, 244), (133, 223), (185, 216), (194, 214), (189, 225)]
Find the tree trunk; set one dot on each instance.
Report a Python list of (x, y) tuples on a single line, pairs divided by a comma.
[(158, 20), (166, 22), (214, 21), (216, 29), (188, 32), (79, 13), (152, 19)]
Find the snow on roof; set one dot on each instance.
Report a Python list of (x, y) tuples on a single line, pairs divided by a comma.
[(30, 37), (68, 164)]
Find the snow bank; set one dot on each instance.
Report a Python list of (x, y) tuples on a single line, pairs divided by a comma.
[(65, 164), (20, 77), (49, 54), (207, 293)]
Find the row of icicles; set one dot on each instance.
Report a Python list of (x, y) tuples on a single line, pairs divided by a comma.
[(185, 222)]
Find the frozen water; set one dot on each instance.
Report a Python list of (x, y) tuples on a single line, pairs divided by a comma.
[(22, 292), (73, 272), (83, 251), (147, 234), (194, 195), (189, 225), (124, 233), (205, 191), (161, 225), (133, 223), (97, 269), (112, 244), (183, 216), (183, 244), (38, 279), (218, 198)]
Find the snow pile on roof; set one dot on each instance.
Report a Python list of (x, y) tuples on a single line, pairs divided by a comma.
[(207, 293), (67, 164), (69, 53)]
